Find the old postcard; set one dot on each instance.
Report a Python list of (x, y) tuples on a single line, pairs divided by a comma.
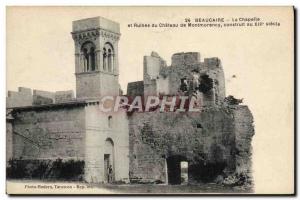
[(150, 100)]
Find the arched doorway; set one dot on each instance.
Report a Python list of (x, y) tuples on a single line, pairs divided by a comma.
[(109, 168), (177, 169)]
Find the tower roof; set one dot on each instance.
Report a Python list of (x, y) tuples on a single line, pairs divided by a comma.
[(95, 23)]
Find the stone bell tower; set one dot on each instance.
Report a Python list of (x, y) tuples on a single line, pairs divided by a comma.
[(96, 57)]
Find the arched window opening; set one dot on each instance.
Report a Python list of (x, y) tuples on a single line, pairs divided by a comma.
[(109, 60), (93, 59), (104, 58), (88, 57), (85, 59), (109, 121), (108, 57)]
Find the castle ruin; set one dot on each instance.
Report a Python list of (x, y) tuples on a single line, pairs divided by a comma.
[(138, 147)]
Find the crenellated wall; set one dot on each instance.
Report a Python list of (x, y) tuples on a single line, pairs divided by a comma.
[(24, 97), (188, 58)]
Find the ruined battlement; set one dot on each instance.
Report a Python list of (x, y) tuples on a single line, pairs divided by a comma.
[(214, 61), (28, 97), (186, 75), (188, 58), (22, 97)]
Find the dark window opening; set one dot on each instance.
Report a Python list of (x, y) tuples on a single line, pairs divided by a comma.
[(206, 84), (183, 85), (199, 126), (108, 57), (109, 121), (93, 59), (88, 57), (104, 58)]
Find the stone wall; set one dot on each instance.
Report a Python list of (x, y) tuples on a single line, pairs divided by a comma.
[(109, 84), (206, 78), (176, 73), (21, 98), (41, 97), (87, 85), (24, 97), (101, 33), (152, 66), (102, 128), (43, 133), (214, 69), (244, 131), (9, 141), (206, 140), (64, 96), (135, 88), (188, 58)]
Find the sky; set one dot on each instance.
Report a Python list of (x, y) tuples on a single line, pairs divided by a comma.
[(40, 55)]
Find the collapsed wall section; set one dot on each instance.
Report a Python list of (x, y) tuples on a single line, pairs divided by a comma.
[(186, 76), (205, 140), (152, 66)]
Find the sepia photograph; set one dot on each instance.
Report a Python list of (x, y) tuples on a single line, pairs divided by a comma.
[(156, 100)]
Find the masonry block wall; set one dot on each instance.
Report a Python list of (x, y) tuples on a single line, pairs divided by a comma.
[(43, 133), (152, 66), (135, 88), (25, 97), (189, 58), (87, 85), (9, 141), (244, 131), (139, 146), (204, 139), (43, 97), (160, 79), (102, 37), (104, 129), (64, 96), (214, 69)]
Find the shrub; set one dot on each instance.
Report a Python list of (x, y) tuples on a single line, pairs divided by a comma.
[(45, 169)]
